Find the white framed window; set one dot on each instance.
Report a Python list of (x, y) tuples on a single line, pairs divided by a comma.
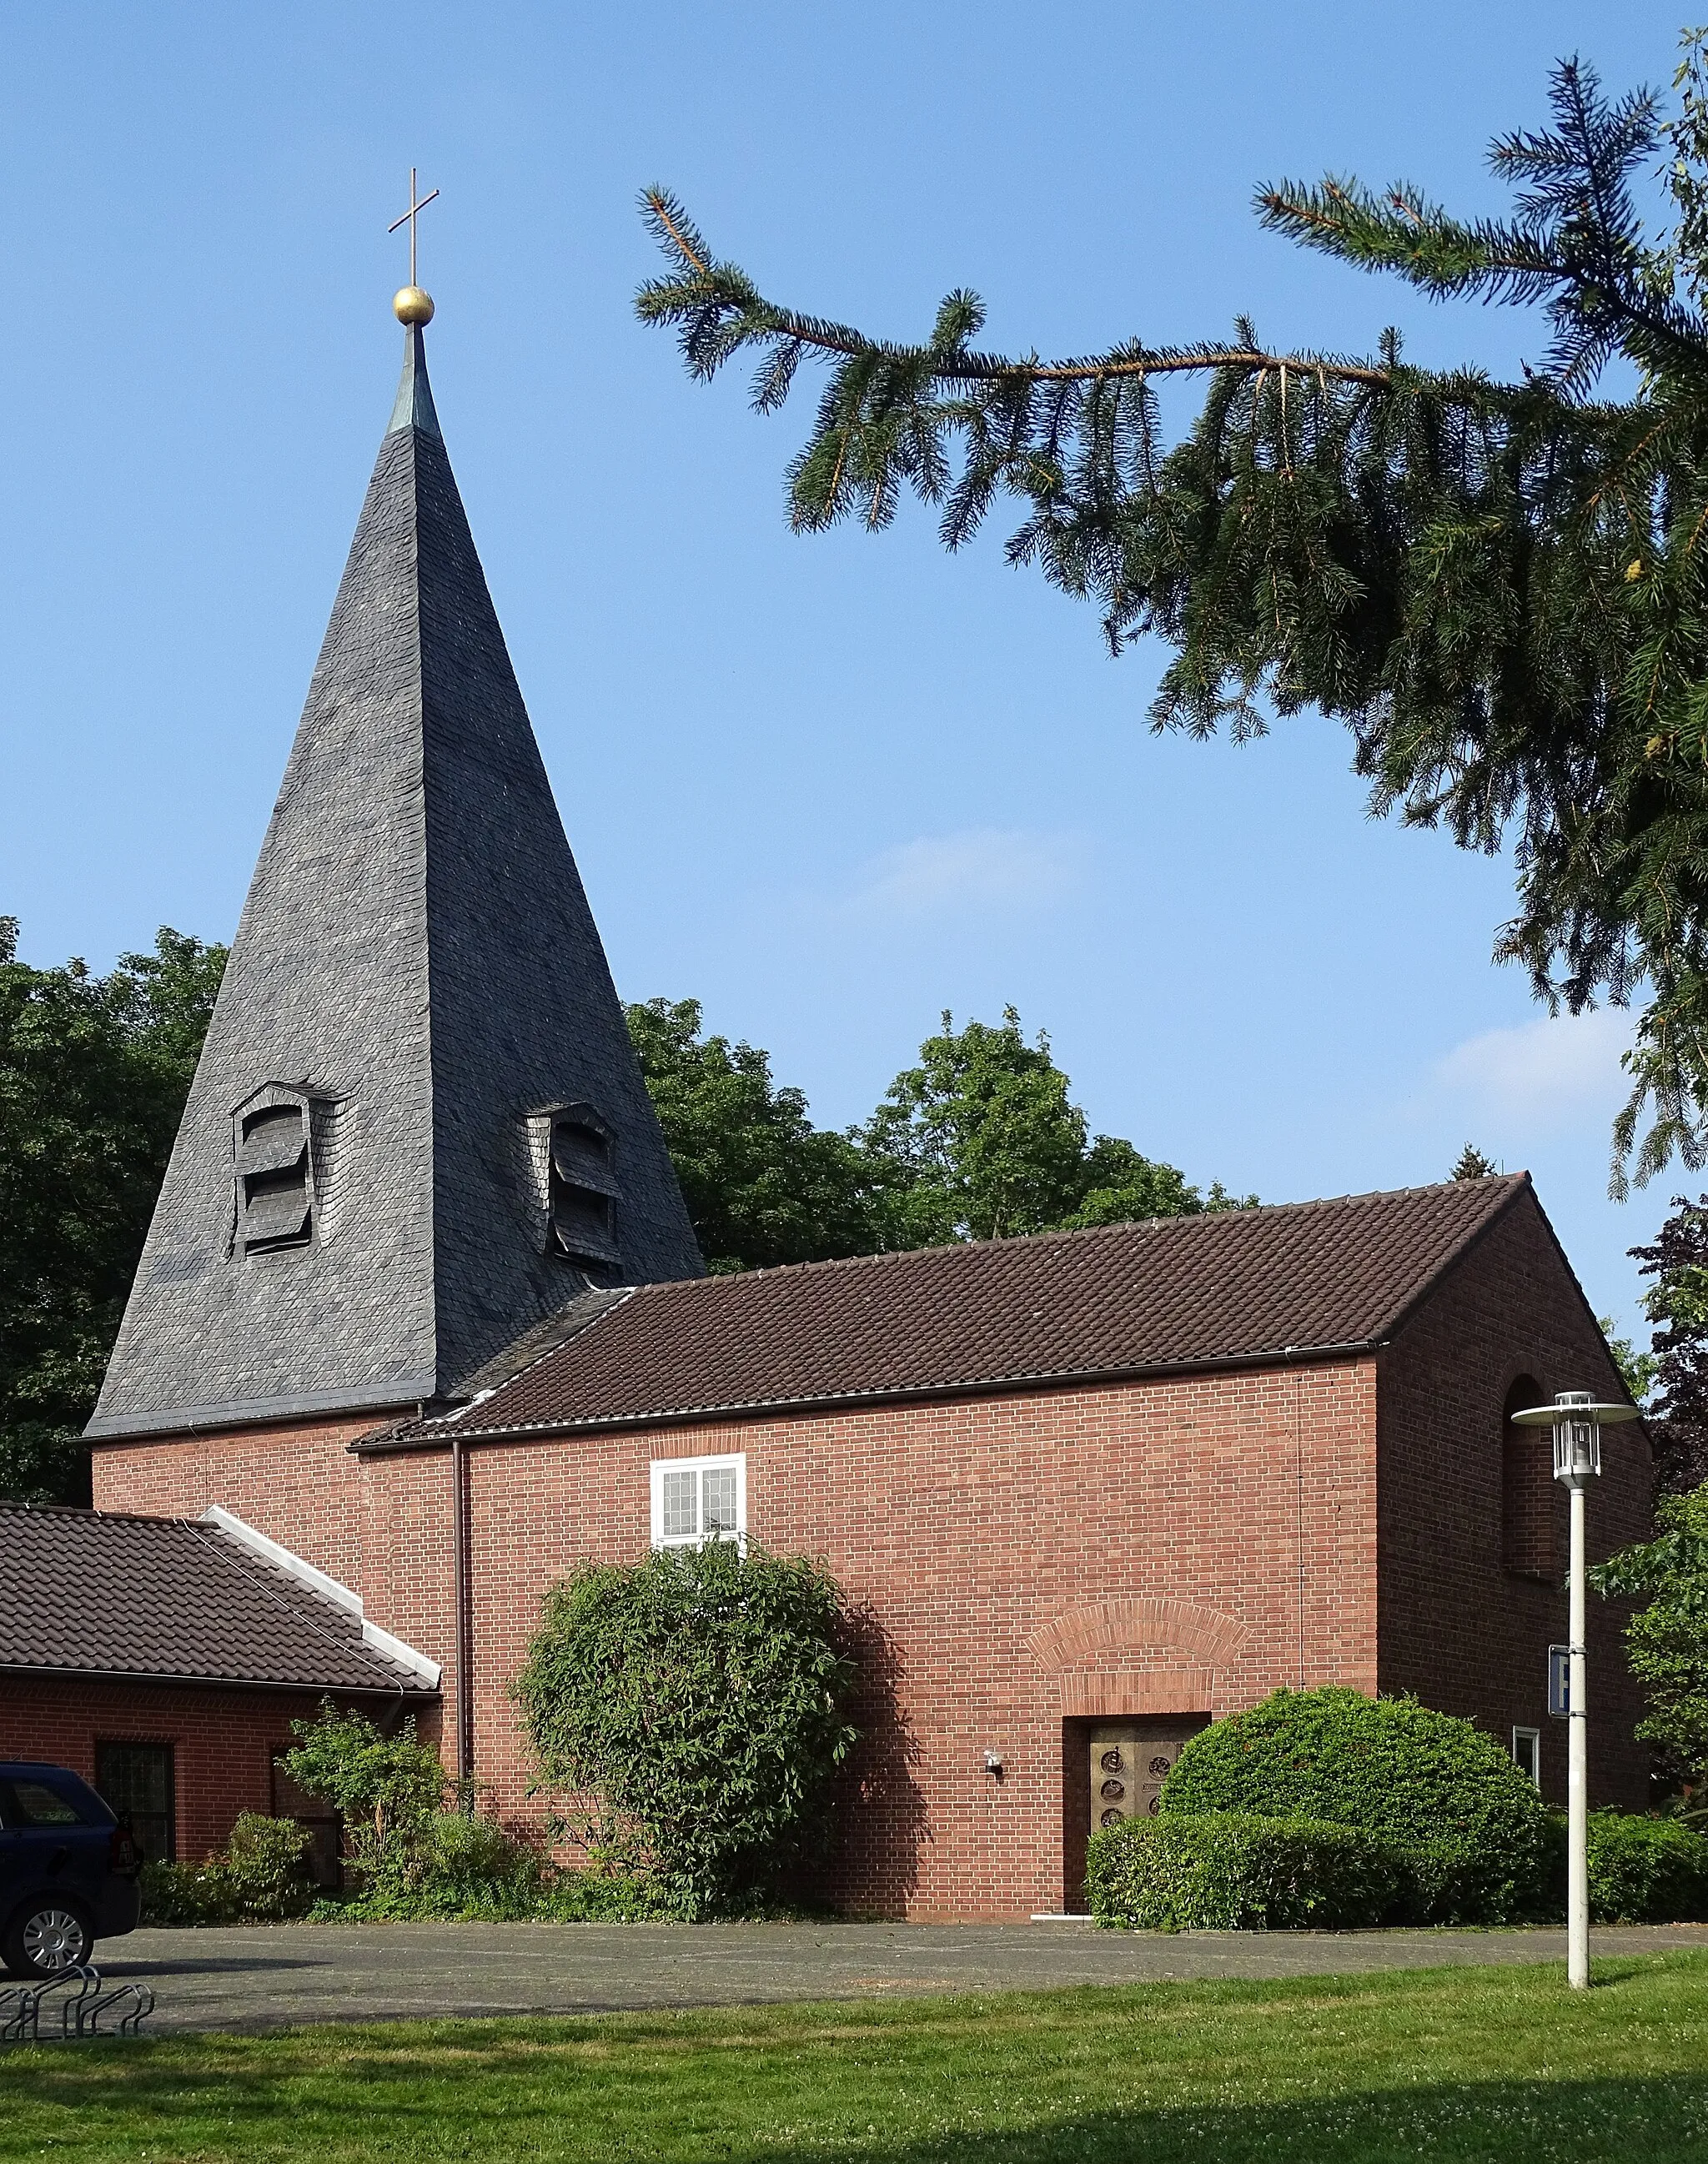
[(1527, 1753), (698, 1499)]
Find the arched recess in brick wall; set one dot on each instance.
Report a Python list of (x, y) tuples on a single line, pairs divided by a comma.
[(1141, 1654), (1530, 1546)]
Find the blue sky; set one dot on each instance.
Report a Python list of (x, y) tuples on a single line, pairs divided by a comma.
[(828, 786)]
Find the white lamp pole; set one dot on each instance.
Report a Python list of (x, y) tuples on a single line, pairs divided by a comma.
[(1577, 1422)]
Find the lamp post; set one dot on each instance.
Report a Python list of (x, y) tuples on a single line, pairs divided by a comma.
[(1577, 1422)]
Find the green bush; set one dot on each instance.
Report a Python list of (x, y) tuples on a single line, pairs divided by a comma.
[(1230, 1871), (266, 1869), (408, 1855), (1471, 1825), (453, 1865), (386, 1788), (690, 1708), (607, 1897), (1646, 1871), (261, 1878), (179, 1894)]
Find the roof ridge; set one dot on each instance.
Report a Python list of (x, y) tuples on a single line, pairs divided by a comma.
[(88, 1510), (1506, 1183), (1316, 1280)]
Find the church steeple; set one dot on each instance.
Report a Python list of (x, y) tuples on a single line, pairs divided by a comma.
[(418, 1127)]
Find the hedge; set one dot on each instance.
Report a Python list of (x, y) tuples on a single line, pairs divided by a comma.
[(1229, 1871), (1646, 1871), (1471, 1825)]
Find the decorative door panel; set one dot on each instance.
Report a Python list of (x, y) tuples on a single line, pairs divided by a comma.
[(1130, 1760)]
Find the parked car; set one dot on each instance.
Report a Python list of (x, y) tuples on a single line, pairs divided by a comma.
[(68, 1870)]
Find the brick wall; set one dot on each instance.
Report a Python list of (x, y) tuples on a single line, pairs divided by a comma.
[(298, 1484), (1163, 1520), (1158, 1518), (1021, 1564), (1460, 1500), (223, 1741)]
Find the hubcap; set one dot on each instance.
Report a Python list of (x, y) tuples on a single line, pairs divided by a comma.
[(54, 1939)]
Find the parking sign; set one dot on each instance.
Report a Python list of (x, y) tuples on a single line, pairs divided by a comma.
[(1559, 1682)]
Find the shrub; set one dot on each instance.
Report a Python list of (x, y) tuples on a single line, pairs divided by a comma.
[(410, 1857), (1472, 1825), (261, 1878), (691, 1707), (179, 1894), (386, 1789), (607, 1897), (452, 1865), (1229, 1871), (264, 1868), (1646, 1871)]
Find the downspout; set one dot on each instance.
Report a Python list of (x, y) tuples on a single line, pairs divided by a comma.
[(464, 1633)]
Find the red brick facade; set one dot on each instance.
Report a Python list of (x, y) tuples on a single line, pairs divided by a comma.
[(223, 1742), (1022, 1563), (1461, 1501)]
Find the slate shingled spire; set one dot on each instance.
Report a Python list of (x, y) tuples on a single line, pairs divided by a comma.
[(418, 1126)]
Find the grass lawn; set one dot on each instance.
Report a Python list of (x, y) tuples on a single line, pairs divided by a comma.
[(1486, 2063)]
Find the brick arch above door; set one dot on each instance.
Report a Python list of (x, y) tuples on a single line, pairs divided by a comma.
[(1140, 1654)]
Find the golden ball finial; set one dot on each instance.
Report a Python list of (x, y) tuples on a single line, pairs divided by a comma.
[(410, 305)]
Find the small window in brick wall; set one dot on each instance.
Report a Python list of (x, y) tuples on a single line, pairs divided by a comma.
[(136, 1782), (1529, 1543), (698, 1499), (323, 1825)]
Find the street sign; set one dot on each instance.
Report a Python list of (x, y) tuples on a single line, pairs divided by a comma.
[(1559, 1682)]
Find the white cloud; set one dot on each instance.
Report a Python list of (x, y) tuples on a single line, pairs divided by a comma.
[(1543, 1073), (985, 869)]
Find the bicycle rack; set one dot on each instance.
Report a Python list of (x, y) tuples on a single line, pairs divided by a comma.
[(82, 2003), (138, 1998)]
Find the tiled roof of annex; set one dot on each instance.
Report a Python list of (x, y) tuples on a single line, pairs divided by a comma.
[(1227, 1286), (93, 1594)]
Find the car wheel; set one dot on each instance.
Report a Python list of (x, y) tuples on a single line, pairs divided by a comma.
[(47, 1936)]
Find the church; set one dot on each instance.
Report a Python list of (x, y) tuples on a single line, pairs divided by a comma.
[(421, 1322)]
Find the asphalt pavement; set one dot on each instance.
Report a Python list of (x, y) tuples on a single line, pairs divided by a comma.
[(270, 1976)]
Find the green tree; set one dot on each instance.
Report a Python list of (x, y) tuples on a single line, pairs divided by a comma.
[(697, 1699), (1668, 1638), (93, 1075), (981, 1141), (388, 1789), (762, 1184), (1496, 586), (1473, 1164), (1676, 1303), (1636, 1370)]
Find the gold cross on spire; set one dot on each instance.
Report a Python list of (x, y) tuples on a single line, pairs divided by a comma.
[(411, 305)]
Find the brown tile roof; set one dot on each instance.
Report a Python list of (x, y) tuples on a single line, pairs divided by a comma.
[(87, 1593), (1225, 1287)]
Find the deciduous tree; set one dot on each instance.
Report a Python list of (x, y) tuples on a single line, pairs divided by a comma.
[(762, 1184), (93, 1075), (1676, 1303), (1668, 1638), (982, 1142)]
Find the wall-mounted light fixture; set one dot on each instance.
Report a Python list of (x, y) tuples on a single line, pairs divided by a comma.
[(994, 1762)]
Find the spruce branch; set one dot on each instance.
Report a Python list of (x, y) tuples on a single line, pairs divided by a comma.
[(1501, 588)]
